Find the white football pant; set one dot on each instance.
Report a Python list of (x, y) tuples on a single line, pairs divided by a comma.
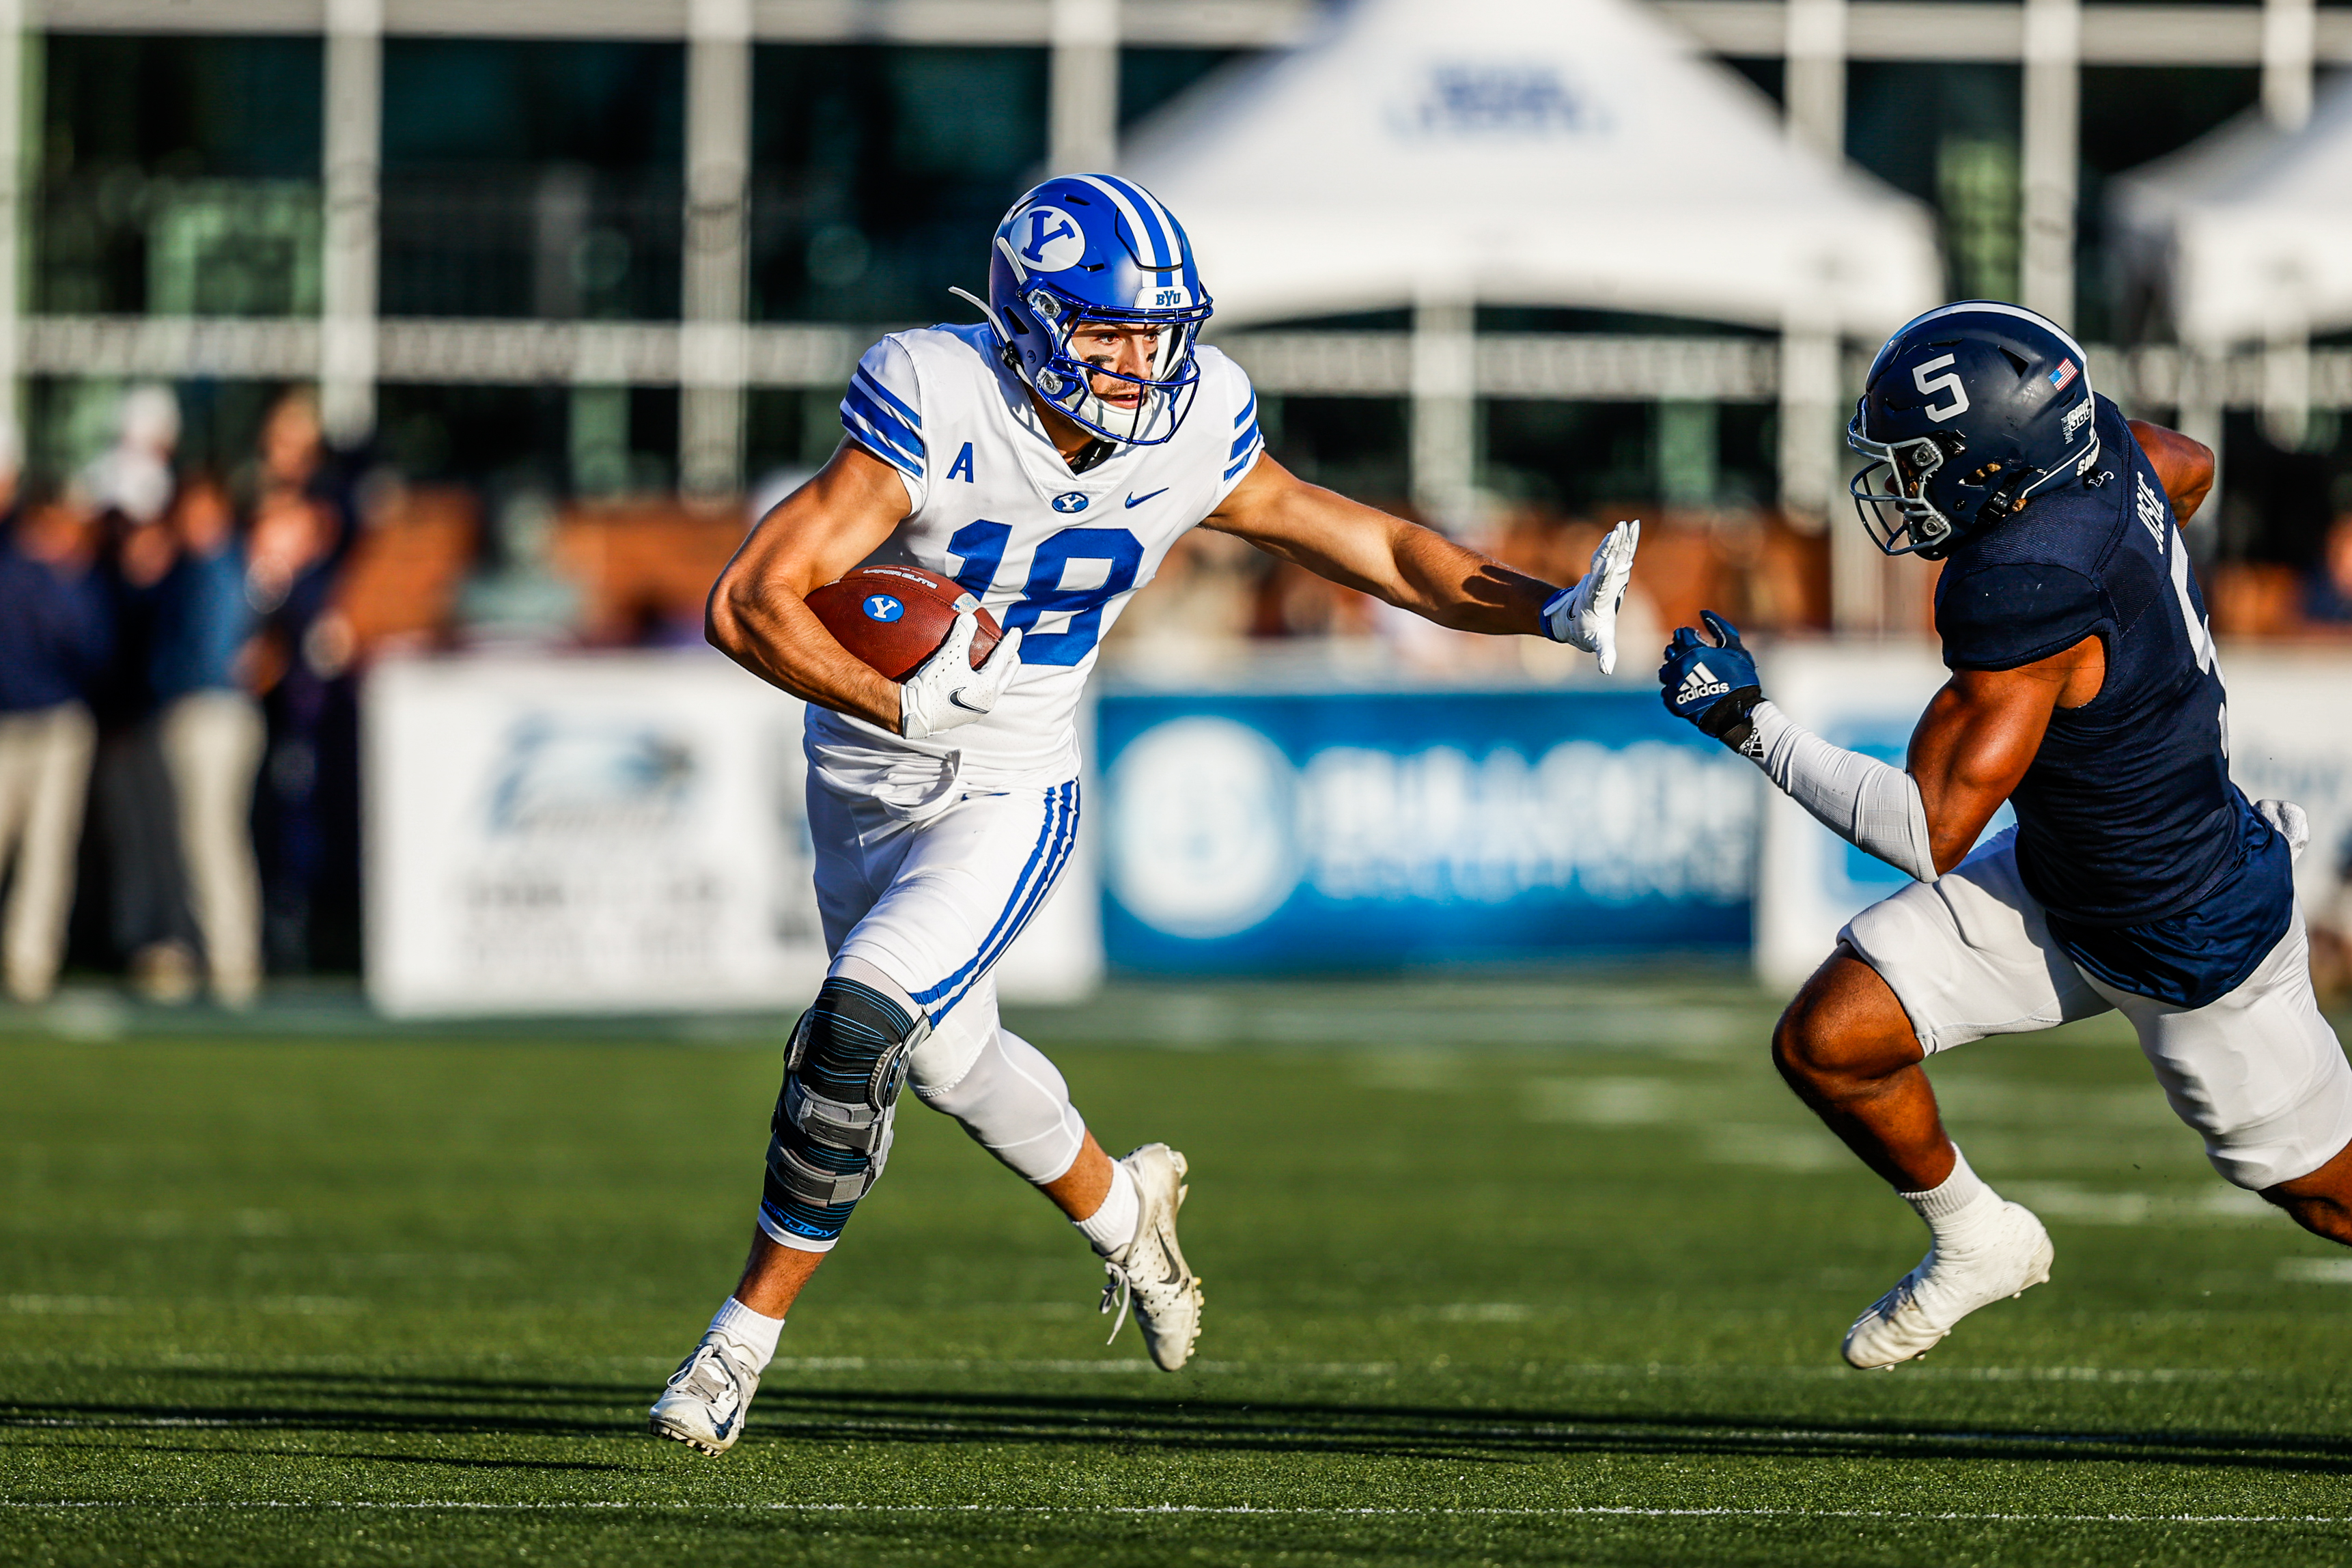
[(2258, 1074), (930, 904)]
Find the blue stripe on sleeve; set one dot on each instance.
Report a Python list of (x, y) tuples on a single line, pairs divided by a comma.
[(873, 384), (875, 426), (1248, 411), (1244, 450)]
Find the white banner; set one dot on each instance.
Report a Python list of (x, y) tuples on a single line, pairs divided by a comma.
[(2283, 743), (614, 833)]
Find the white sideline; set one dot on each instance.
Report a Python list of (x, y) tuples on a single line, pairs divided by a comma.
[(1897, 1515)]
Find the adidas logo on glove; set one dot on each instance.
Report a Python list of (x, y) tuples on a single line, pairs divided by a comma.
[(1700, 682)]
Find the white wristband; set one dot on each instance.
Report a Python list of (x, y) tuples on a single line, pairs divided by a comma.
[(1871, 805)]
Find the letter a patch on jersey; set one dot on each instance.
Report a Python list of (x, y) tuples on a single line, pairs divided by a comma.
[(962, 465)]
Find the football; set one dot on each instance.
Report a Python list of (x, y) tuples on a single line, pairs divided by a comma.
[(894, 617)]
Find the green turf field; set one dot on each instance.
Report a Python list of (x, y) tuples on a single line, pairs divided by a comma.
[(1543, 1272)]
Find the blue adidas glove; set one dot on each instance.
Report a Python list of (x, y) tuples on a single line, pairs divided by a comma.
[(1713, 685)]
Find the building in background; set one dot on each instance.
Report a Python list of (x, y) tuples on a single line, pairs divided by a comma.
[(571, 283), (556, 255)]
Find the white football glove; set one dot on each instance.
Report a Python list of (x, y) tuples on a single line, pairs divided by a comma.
[(1585, 616), (944, 690)]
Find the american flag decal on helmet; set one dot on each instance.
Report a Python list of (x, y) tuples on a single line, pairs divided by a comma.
[(2064, 377)]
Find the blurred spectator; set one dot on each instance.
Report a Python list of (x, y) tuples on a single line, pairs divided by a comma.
[(52, 641), (306, 812), (133, 478), (211, 732), (148, 920), (2327, 601)]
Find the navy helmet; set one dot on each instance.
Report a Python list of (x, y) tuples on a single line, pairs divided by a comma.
[(1967, 412), (1087, 249)]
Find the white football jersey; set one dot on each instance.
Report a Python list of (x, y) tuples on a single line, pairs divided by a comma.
[(1056, 553)]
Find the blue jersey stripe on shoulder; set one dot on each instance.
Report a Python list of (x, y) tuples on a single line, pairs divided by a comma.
[(1241, 442), (861, 397), (870, 422), (863, 377), (1243, 461), (884, 445), (1249, 410)]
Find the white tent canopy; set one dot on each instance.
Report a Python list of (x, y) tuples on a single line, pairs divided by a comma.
[(1567, 153), (2250, 230)]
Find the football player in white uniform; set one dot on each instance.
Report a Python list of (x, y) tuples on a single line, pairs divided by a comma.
[(1045, 459)]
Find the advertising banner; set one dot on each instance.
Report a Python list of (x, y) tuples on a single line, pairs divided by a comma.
[(620, 833), (617, 832), (1249, 832)]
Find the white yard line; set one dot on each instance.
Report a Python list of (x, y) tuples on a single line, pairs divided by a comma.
[(1249, 1510)]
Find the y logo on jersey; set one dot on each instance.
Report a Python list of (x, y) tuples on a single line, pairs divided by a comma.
[(1069, 500), (1054, 243), (883, 608)]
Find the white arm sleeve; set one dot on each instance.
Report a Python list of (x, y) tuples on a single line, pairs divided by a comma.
[(1862, 800)]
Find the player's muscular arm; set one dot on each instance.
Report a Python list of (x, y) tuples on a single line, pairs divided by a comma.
[(758, 615), (2184, 466), (1411, 567), (1971, 748), (1979, 735)]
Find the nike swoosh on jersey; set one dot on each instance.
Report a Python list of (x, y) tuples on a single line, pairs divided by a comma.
[(1134, 500)]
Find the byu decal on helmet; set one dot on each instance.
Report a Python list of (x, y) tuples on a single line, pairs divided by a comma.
[(1094, 250), (1967, 413)]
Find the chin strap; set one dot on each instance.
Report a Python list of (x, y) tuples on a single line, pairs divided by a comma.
[(1873, 806)]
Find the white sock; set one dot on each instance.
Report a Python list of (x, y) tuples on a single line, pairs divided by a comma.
[(1957, 1207), (754, 1331), (1112, 1226)]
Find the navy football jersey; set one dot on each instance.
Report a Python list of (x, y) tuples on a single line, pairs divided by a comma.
[(2158, 877)]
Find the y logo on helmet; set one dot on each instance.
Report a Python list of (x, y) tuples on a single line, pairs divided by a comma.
[(1930, 386), (1948, 382), (1049, 239)]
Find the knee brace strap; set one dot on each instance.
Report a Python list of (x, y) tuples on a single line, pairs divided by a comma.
[(830, 1135)]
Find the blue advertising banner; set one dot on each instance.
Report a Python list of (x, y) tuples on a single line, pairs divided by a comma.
[(1366, 830)]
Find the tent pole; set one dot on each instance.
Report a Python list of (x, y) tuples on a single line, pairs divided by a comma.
[(1815, 42), (2286, 361), (17, 120), (353, 137), (1084, 130), (2289, 46), (2203, 400), (1444, 408), (2052, 136), (711, 343)]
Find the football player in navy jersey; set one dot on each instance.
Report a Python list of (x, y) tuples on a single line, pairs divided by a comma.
[(2084, 691)]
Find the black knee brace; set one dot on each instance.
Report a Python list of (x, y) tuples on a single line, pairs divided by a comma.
[(831, 1132)]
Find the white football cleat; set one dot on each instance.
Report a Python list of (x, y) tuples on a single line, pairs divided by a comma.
[(1149, 1272), (705, 1402), (2011, 1257)]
